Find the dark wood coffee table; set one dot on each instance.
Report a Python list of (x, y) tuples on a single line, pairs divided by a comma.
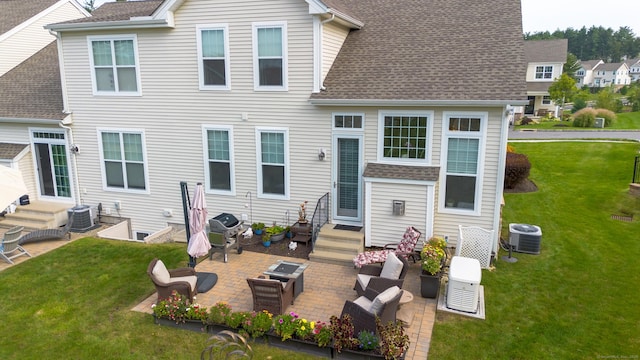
[(286, 270)]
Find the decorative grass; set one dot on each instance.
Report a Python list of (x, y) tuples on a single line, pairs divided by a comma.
[(579, 298), (625, 121), (75, 303)]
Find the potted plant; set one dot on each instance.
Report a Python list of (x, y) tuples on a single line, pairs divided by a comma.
[(266, 239), (275, 232), (257, 228), (432, 257), (393, 340), (178, 311)]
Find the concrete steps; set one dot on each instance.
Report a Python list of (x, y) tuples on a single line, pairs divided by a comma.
[(337, 246), (38, 215)]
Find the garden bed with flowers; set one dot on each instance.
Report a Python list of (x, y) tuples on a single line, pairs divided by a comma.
[(335, 339)]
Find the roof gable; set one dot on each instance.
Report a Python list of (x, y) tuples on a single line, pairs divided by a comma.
[(15, 12)]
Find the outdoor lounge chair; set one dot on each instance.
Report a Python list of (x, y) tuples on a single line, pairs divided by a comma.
[(10, 249), (183, 280), (380, 278), (405, 248), (48, 234), (270, 294), (476, 243), (364, 309)]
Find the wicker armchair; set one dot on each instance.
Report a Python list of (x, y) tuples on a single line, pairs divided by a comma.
[(375, 277), (364, 312), (183, 280), (271, 295)]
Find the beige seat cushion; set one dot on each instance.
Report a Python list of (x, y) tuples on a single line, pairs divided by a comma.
[(363, 302), (392, 267), (161, 273), (382, 299), (363, 280), (191, 279)]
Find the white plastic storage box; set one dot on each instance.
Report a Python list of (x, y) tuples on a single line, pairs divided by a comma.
[(464, 284)]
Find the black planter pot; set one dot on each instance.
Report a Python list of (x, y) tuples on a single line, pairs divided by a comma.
[(191, 325), (430, 285), (303, 346)]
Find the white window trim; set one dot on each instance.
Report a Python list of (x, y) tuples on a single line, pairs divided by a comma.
[(535, 71), (256, 64), (287, 182), (227, 65), (430, 119), (99, 132), (205, 148), (333, 121), (481, 135), (94, 83)]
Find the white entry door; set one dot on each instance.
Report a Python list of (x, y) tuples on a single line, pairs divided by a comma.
[(52, 164)]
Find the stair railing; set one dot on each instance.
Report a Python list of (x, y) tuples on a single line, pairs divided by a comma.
[(319, 218)]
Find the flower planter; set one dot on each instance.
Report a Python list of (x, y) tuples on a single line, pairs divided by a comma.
[(277, 237), (266, 243), (356, 355), (216, 328), (429, 285), (191, 325), (307, 347), (257, 231)]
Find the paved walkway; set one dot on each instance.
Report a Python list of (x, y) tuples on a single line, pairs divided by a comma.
[(326, 287)]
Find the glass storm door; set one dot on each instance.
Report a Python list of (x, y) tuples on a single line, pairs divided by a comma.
[(52, 164), (347, 184)]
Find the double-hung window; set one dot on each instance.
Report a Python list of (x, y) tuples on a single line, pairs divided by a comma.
[(404, 136), (270, 56), (273, 159), (546, 100), (213, 57), (114, 65), (123, 160), (544, 72), (219, 158), (463, 150)]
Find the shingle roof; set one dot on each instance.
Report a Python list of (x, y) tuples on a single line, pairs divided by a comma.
[(589, 64), (431, 50), (546, 50), (14, 12), (538, 86), (9, 151), (117, 11), (608, 66), (405, 172), (32, 89)]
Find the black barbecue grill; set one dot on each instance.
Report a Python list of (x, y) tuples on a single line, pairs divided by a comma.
[(223, 234)]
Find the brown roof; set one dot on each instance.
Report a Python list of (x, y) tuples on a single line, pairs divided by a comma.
[(118, 11), (589, 64), (412, 50), (538, 86), (608, 67), (15, 12), (546, 50), (9, 151), (32, 89), (405, 172)]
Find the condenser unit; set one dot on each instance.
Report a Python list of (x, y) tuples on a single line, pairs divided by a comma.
[(525, 238), (83, 218)]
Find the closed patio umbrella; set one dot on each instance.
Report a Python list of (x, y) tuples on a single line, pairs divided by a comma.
[(11, 186), (198, 243)]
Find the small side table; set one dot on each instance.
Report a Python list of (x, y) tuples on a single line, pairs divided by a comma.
[(301, 232)]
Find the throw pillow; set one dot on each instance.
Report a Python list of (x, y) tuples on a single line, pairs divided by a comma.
[(382, 299), (392, 267), (160, 272)]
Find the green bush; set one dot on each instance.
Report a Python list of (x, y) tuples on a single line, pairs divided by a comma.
[(579, 104), (526, 121), (584, 118), (608, 115), (517, 169)]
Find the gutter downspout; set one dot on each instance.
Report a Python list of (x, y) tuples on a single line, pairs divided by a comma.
[(74, 164), (499, 199)]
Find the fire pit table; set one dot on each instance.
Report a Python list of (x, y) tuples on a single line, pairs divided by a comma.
[(286, 270)]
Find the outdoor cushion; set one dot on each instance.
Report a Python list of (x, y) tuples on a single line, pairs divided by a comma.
[(192, 280), (363, 280), (161, 273), (384, 297), (364, 303), (392, 267)]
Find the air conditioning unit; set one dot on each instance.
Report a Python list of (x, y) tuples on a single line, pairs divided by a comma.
[(83, 218), (525, 238)]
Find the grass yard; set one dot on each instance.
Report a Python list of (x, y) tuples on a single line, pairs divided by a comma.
[(75, 303), (625, 121), (579, 298)]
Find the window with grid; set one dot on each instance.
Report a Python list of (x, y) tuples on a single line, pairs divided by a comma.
[(404, 137), (272, 167), (270, 55), (462, 139), (114, 65), (546, 100), (219, 159), (123, 157), (213, 57), (544, 72), (345, 121)]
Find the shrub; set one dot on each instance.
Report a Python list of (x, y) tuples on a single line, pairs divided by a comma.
[(526, 121), (584, 118), (256, 324), (219, 313), (608, 115), (517, 169), (579, 104)]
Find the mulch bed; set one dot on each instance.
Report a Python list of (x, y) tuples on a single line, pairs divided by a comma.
[(525, 186), (279, 248)]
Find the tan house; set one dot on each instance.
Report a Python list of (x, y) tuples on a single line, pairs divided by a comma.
[(273, 103), (545, 59)]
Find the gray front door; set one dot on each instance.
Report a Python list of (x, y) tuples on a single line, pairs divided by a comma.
[(347, 182)]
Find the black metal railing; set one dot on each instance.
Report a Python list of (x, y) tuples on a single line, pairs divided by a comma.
[(319, 218), (636, 171)]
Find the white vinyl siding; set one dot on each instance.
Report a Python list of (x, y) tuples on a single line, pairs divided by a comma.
[(333, 36), (270, 56), (219, 159), (272, 146), (114, 64), (213, 57), (404, 136), (122, 158)]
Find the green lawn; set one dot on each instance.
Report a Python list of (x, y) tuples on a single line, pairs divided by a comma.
[(625, 121), (579, 298)]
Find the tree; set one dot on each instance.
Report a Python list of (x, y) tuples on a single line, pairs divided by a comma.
[(571, 66), (89, 5), (562, 90)]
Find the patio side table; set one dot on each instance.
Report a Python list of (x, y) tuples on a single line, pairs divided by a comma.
[(285, 270)]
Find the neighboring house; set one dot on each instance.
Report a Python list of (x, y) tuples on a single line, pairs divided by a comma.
[(273, 103), (611, 74), (584, 74), (545, 59), (634, 69), (32, 137)]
